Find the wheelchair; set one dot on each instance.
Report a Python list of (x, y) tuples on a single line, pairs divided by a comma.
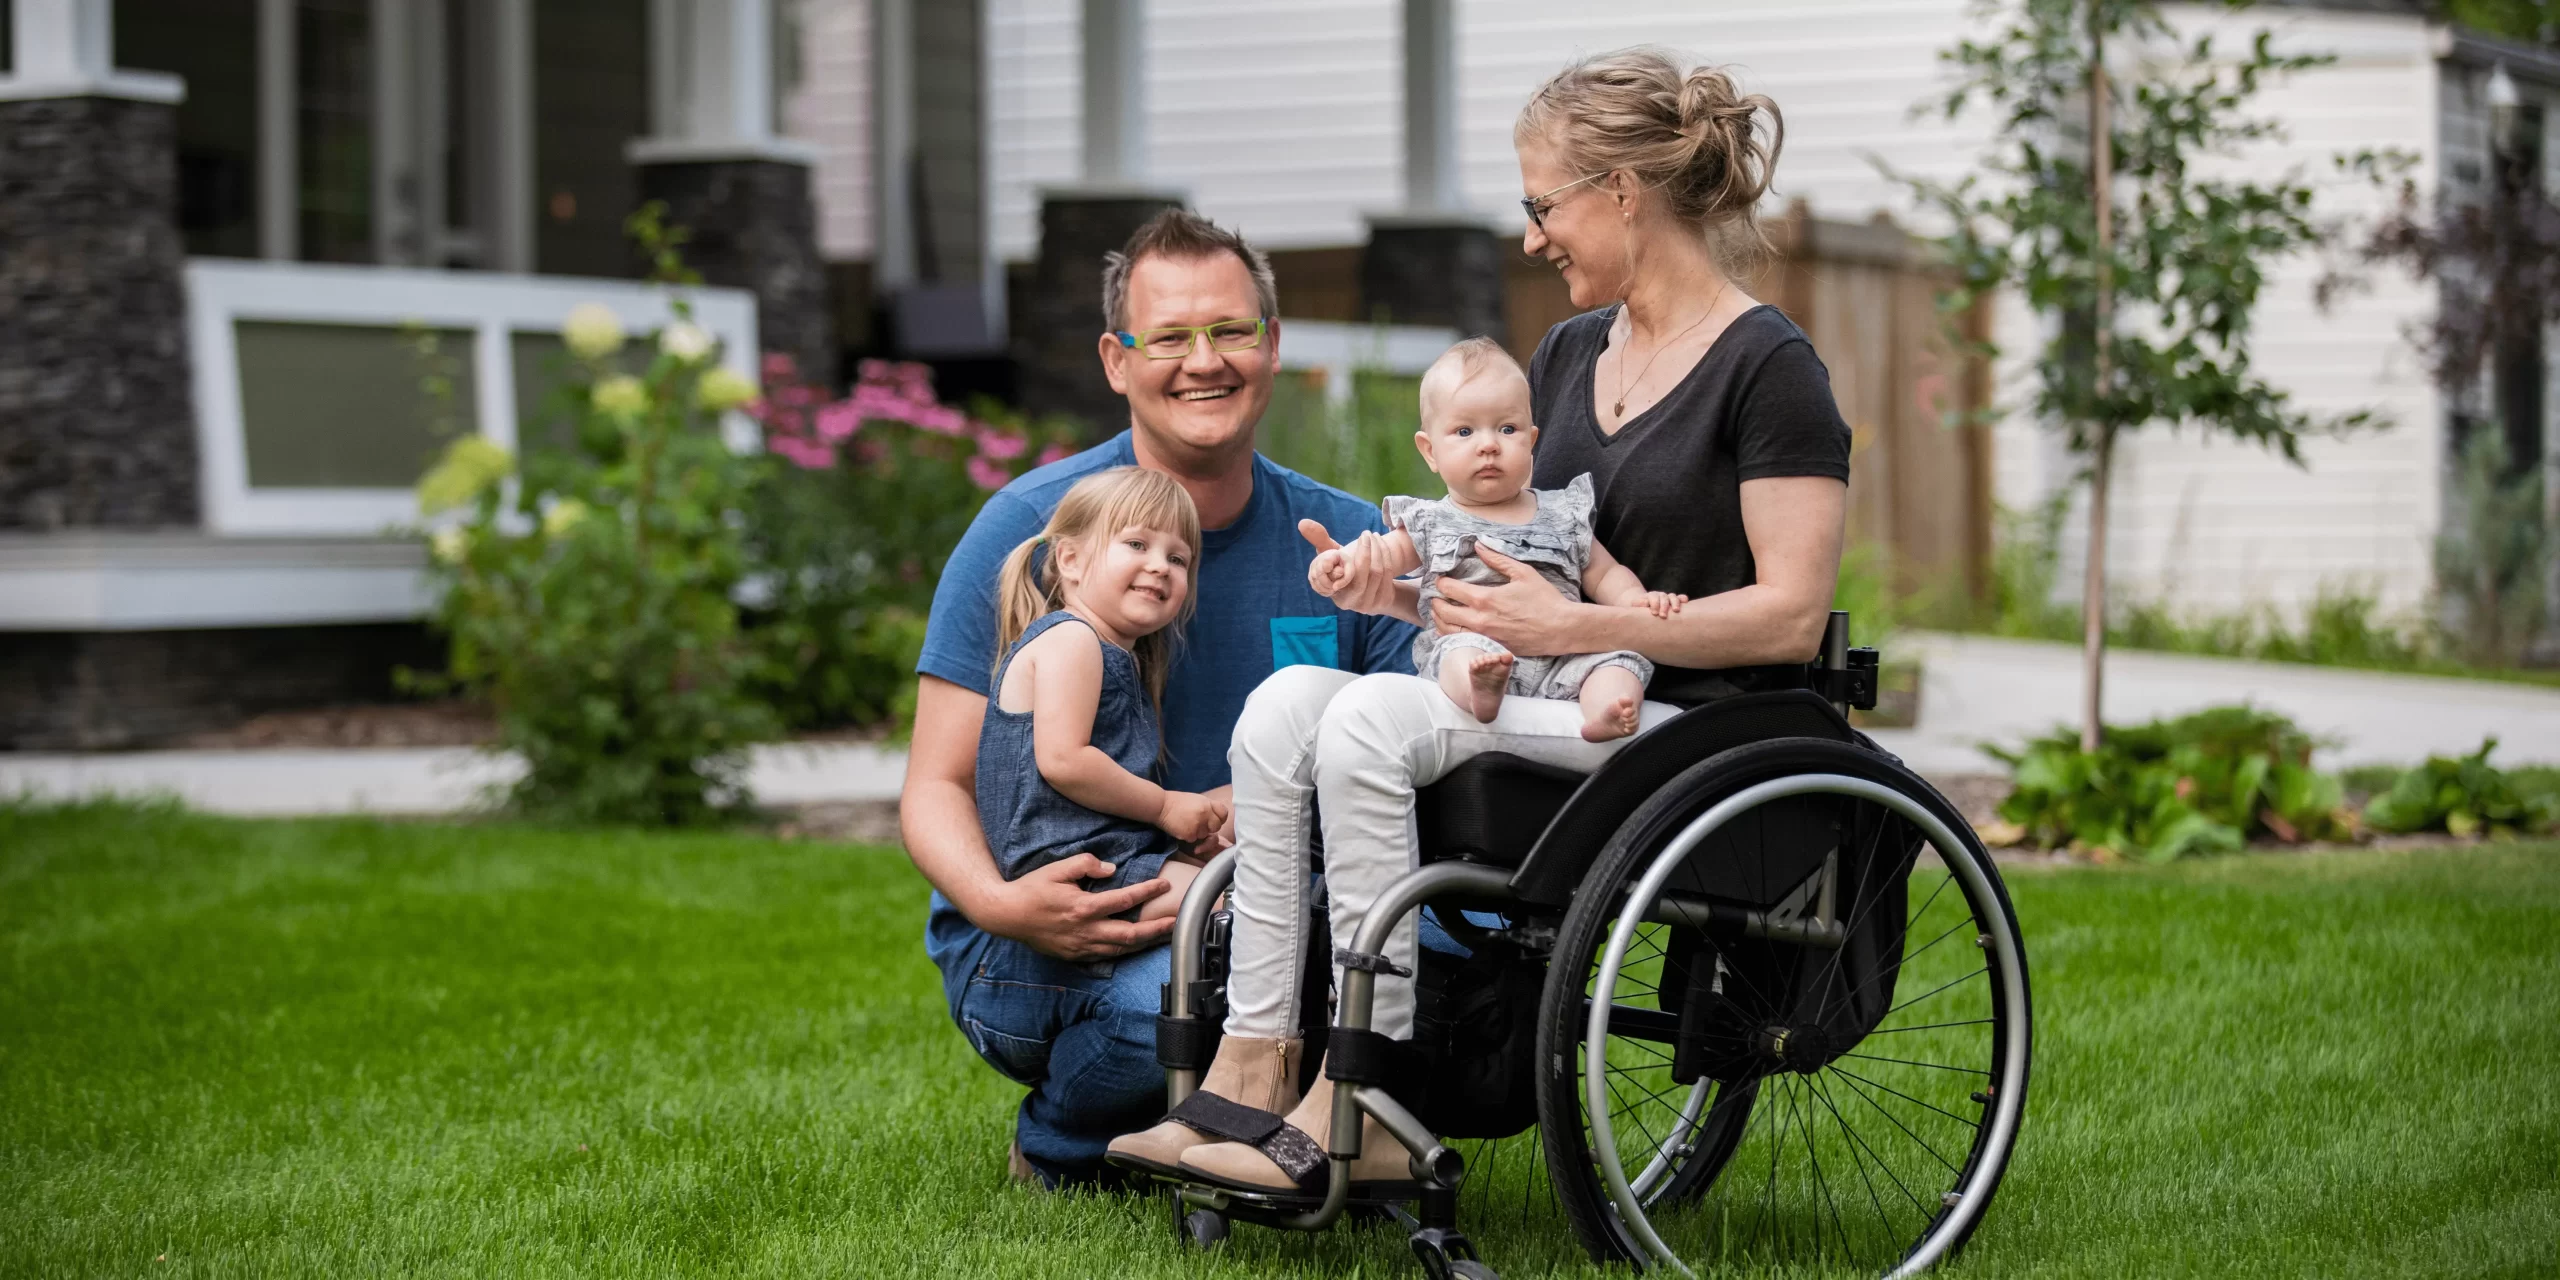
[(1757, 985)]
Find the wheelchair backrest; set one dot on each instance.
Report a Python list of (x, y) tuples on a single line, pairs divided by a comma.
[(1574, 837)]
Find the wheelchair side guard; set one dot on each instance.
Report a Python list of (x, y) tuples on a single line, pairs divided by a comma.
[(1563, 854)]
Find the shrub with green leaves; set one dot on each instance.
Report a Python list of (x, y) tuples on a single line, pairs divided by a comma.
[(2203, 783), (2465, 797), (851, 529), (588, 591)]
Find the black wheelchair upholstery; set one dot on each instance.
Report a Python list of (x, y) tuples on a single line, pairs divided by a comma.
[(1547, 823)]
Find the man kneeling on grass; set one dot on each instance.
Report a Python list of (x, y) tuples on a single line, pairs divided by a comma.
[(1049, 982)]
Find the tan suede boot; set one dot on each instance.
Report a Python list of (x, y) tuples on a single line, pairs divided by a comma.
[(1261, 1074), (1382, 1159)]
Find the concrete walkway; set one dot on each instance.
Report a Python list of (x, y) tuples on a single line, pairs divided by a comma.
[(398, 780), (1974, 690)]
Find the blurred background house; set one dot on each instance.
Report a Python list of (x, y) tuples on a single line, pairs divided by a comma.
[(222, 223)]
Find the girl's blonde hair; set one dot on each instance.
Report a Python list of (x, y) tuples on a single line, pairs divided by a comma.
[(1687, 132), (1102, 504)]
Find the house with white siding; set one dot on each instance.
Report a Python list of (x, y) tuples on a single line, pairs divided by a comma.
[(217, 216)]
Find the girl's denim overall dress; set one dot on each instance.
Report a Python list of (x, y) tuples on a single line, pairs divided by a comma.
[(1028, 823)]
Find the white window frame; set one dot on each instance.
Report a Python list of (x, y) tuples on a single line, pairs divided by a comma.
[(221, 292)]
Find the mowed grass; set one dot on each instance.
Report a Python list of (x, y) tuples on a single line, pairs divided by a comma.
[(359, 1047)]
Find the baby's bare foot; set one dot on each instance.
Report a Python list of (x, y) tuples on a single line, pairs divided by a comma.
[(1609, 719), (1487, 678)]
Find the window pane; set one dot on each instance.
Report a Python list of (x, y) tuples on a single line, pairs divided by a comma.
[(343, 406)]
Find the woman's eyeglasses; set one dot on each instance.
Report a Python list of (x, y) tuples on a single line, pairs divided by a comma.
[(1176, 342), (1537, 207)]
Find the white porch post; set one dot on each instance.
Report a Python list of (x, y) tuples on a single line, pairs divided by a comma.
[(67, 49), (279, 163), (1431, 179), (893, 145), (510, 207), (712, 63), (1431, 261), (1115, 92)]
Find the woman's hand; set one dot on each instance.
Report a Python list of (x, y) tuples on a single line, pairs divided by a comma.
[(1526, 614)]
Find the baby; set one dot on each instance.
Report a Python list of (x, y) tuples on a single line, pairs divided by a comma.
[(1477, 434)]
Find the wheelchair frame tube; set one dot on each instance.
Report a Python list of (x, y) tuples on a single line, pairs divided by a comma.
[(1359, 989), (1190, 929)]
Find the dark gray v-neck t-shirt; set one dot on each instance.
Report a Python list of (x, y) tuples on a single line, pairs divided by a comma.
[(1669, 481)]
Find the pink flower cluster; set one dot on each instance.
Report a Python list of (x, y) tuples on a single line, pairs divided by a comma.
[(809, 433)]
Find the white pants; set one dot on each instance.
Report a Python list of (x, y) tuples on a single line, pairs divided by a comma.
[(1354, 748)]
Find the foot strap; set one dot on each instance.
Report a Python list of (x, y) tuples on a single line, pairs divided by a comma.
[(1280, 1142)]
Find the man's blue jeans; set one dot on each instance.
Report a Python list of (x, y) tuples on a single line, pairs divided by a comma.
[(1082, 1036)]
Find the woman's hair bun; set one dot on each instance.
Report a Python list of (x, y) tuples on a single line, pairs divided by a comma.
[(1684, 129)]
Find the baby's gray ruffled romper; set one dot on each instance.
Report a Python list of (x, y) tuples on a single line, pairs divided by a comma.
[(1556, 541)]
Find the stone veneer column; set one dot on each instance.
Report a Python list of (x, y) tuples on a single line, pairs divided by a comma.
[(97, 426), (1434, 271), (754, 227), (1060, 322)]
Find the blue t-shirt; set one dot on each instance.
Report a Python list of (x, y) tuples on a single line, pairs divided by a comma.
[(1256, 615), (1256, 612)]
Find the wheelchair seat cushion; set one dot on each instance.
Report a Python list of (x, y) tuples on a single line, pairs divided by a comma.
[(1491, 808)]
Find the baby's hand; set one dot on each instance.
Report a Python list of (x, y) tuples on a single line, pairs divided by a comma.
[(1662, 603), (1190, 817), (1327, 573)]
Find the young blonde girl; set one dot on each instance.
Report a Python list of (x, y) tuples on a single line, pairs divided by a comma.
[(1087, 617)]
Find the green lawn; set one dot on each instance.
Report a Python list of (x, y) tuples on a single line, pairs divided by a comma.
[(355, 1047)]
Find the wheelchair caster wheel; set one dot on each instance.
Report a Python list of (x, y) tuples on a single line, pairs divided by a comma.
[(1203, 1228), (1446, 1255)]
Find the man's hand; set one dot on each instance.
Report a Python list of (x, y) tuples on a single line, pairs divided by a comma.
[(1357, 574), (1050, 911), (1526, 614)]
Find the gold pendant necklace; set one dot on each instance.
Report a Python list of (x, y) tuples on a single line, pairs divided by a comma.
[(1619, 410)]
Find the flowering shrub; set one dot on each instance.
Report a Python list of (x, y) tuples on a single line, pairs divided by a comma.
[(589, 589), (853, 528)]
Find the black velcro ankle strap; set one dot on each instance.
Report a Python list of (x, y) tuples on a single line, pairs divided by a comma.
[(1359, 1057), (1186, 1044)]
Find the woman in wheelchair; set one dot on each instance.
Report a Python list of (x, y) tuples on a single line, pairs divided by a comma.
[(1754, 858)]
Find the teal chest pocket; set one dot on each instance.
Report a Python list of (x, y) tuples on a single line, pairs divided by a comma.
[(1306, 642)]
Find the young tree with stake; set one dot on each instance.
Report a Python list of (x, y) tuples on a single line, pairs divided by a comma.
[(2154, 324)]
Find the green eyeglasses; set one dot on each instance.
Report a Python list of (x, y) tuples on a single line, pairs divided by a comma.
[(1176, 342)]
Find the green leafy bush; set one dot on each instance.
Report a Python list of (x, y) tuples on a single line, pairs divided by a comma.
[(852, 527), (588, 593), (2202, 783), (2464, 797)]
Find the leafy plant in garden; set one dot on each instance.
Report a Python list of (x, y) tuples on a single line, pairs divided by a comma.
[(2202, 783), (2152, 326), (2464, 797), (588, 589), (850, 533)]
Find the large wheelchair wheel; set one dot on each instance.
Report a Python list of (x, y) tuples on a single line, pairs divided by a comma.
[(1786, 1019)]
